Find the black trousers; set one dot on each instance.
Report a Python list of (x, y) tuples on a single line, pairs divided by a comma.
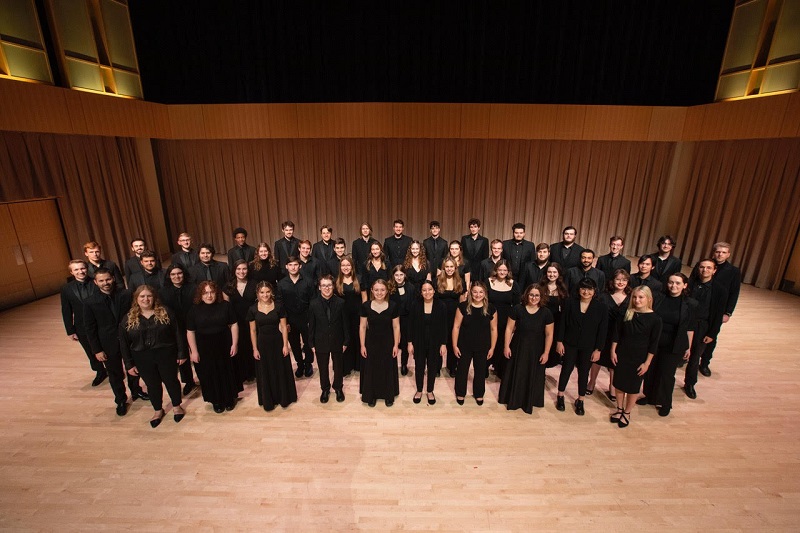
[(157, 367), (403, 341), (690, 376), (580, 357), (96, 365), (185, 370), (708, 353), (323, 359), (659, 382), (116, 378), (429, 358), (298, 327), (478, 360)]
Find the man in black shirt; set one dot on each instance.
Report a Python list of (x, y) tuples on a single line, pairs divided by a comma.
[(534, 270), (149, 273), (360, 249), (435, 248), (133, 264), (328, 335), (474, 246), (730, 278), (396, 245), (209, 269), (664, 263), (486, 266), (644, 276), (242, 250), (296, 292), (323, 249), (567, 253), (186, 256), (332, 264), (586, 270), (614, 260), (93, 252), (310, 268), (73, 294), (517, 251), (287, 246)]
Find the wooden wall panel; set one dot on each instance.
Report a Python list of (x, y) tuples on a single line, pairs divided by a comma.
[(186, 121), (520, 121), (32, 107), (345, 120), (378, 120), (569, 121), (283, 121), (236, 121), (693, 125), (616, 123), (426, 120), (475, 121), (666, 124), (745, 119), (791, 120)]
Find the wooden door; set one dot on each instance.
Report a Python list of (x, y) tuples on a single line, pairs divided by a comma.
[(15, 283)]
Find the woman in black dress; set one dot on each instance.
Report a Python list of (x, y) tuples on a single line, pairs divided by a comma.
[(503, 293), (416, 264), (552, 284), (635, 344), (474, 338), (374, 269), (152, 346), (241, 293), (264, 267), (427, 338), (528, 337), (348, 288), (463, 266), (213, 334), (675, 310), (270, 338), (580, 336), (616, 299), (403, 293), (451, 290), (379, 331)]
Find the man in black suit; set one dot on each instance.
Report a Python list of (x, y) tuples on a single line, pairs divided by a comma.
[(73, 294), (435, 247), (296, 292), (178, 294), (209, 269), (645, 276), (103, 313), (474, 246), (586, 270), (149, 274), (186, 256), (517, 251), (287, 246), (360, 248), (730, 278), (133, 264), (396, 245), (329, 335), (567, 253), (665, 263), (486, 266), (332, 264), (614, 260), (93, 252), (535, 269), (242, 250), (323, 248)]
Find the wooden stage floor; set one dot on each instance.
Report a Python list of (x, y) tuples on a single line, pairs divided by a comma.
[(728, 460)]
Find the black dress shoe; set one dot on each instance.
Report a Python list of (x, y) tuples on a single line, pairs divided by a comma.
[(218, 409), (309, 371), (560, 403), (690, 392), (299, 372), (269, 408), (323, 398), (122, 408), (417, 399), (156, 420), (642, 401), (663, 411), (479, 401), (579, 408), (372, 403), (340, 395), (389, 402), (404, 370), (460, 401), (140, 395), (431, 398), (231, 407), (189, 387), (705, 371), (99, 378), (178, 416)]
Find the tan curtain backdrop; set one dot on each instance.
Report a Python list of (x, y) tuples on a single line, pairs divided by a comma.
[(96, 180), (602, 188), (747, 193)]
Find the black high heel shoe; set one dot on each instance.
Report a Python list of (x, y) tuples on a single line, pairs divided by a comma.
[(614, 418)]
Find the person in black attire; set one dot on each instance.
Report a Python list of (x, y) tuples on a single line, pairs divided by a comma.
[(580, 335), (396, 245), (153, 347), (178, 295), (585, 271), (450, 289), (332, 264), (552, 285), (730, 278), (287, 246), (711, 300), (241, 293), (566, 253), (310, 268), (241, 251), (348, 289), (149, 272), (93, 252), (503, 293), (73, 294), (416, 265), (102, 313), (464, 267), (675, 310), (295, 293), (645, 276), (474, 246), (486, 267), (616, 298), (186, 256), (328, 335), (435, 247), (517, 251), (426, 331), (475, 344), (379, 330), (361, 247), (664, 263), (375, 268), (264, 267), (323, 249), (402, 293), (209, 269), (614, 260), (133, 264), (534, 271)]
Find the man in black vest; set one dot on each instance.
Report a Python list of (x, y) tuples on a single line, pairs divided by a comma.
[(567, 253), (242, 250), (73, 295), (329, 335)]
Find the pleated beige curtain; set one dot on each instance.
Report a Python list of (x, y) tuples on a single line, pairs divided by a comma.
[(96, 179)]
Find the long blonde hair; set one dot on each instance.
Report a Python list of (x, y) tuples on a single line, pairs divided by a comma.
[(485, 309), (644, 289), (441, 279), (159, 311)]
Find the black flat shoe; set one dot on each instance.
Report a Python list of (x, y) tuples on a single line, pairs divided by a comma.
[(641, 401), (460, 401), (389, 403), (418, 397), (372, 403), (157, 418), (579, 408), (690, 392), (122, 408), (218, 409), (339, 396), (99, 378), (560, 403), (624, 420), (230, 407), (269, 408), (431, 398), (323, 398), (479, 401), (614, 418), (404, 370), (299, 372), (663, 411), (188, 388), (178, 416), (309, 371)]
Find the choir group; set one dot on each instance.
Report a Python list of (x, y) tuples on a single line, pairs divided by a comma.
[(510, 306)]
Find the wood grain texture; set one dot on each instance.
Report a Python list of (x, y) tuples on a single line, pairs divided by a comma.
[(726, 461)]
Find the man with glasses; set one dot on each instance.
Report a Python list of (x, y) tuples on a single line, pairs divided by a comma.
[(664, 263), (328, 335)]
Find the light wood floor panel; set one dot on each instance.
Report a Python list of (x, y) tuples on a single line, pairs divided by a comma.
[(729, 460)]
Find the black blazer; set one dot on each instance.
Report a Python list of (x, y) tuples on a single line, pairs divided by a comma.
[(583, 331), (609, 264), (435, 250), (111, 266), (474, 250), (360, 253), (524, 253), (328, 335), (574, 258), (102, 321), (415, 325), (395, 249), (322, 252), (662, 270), (220, 273), (685, 325), (576, 274), (283, 249), (246, 252), (72, 305), (178, 300), (155, 279), (185, 259)]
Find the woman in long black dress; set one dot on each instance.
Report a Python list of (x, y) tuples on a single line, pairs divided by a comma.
[(675, 310), (264, 267), (379, 331), (213, 334), (616, 299), (427, 338), (270, 338), (152, 346), (402, 293), (474, 338), (528, 337), (348, 288), (503, 293), (451, 290), (635, 344), (416, 265), (374, 269), (241, 293), (552, 284)]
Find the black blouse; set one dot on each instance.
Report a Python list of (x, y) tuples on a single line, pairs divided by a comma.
[(476, 330), (149, 334)]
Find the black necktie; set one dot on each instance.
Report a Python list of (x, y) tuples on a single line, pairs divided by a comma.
[(208, 273)]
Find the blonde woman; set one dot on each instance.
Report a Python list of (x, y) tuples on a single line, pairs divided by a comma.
[(450, 289), (475, 344)]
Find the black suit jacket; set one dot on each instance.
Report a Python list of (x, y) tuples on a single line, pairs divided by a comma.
[(155, 279), (102, 320), (322, 252), (415, 325), (220, 273), (246, 252), (572, 260), (284, 249), (110, 265), (72, 305), (518, 255), (328, 335), (474, 250), (609, 264), (360, 252), (435, 250), (585, 331), (662, 270), (395, 249), (185, 259)]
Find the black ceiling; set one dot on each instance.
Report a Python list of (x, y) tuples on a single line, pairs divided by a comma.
[(638, 52)]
